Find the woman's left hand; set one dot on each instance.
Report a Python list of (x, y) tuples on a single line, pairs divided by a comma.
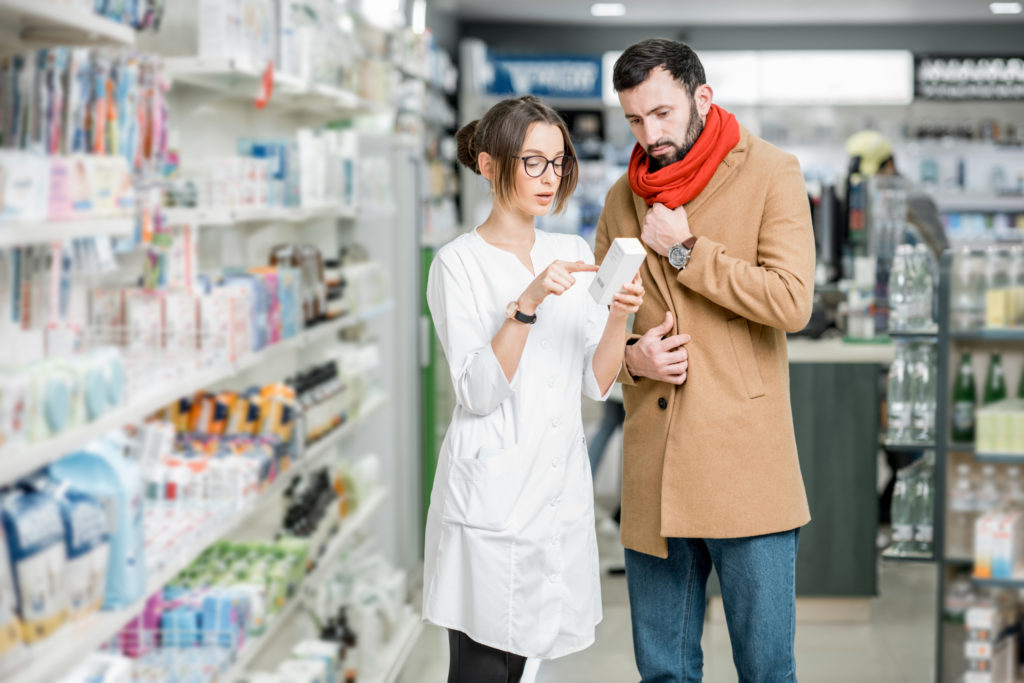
[(628, 300)]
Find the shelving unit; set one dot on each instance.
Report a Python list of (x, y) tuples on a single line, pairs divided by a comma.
[(981, 203), (255, 215), (84, 636), (349, 527), (17, 462), (32, 24), (230, 79), (399, 648), (18, 233)]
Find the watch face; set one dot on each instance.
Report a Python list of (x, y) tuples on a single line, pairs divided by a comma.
[(677, 256), (510, 310)]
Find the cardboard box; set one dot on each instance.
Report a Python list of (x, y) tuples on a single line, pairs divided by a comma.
[(619, 267)]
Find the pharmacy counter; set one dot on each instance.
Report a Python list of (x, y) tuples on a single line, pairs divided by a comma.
[(836, 392)]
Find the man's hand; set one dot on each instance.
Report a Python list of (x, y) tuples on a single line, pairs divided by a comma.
[(658, 358), (664, 227)]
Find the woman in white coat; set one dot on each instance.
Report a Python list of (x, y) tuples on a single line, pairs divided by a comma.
[(511, 566)]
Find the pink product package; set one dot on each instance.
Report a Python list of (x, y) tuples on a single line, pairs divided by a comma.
[(60, 207), (269, 283)]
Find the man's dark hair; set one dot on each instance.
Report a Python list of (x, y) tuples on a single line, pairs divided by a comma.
[(635, 64)]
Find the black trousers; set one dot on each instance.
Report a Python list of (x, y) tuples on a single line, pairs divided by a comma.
[(471, 662)]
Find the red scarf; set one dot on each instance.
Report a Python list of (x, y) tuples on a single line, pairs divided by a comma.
[(679, 182)]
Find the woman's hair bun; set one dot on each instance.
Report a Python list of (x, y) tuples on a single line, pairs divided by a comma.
[(467, 151)]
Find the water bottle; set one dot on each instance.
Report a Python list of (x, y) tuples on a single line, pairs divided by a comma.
[(898, 398), (1014, 496), (923, 506), (901, 512), (995, 382), (899, 289), (923, 289), (963, 512), (962, 290), (989, 496), (923, 393)]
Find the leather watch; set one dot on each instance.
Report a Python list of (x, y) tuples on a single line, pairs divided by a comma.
[(512, 312), (679, 254)]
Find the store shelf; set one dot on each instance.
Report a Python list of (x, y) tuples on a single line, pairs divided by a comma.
[(15, 233), (888, 554), (1017, 582), (266, 214), (965, 447), (17, 462), (232, 80), (399, 649), (980, 203), (349, 527), (34, 24), (924, 335), (959, 561), (1005, 458), (907, 447), (81, 638), (989, 335)]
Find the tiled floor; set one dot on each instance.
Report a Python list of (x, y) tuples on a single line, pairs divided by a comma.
[(895, 646)]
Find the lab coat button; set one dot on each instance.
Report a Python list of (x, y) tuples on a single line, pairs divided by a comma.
[(551, 381), (544, 344), (557, 421), (555, 462)]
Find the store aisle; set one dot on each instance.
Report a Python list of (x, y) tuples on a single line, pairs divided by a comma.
[(894, 646)]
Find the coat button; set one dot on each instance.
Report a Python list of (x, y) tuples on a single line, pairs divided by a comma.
[(662, 403)]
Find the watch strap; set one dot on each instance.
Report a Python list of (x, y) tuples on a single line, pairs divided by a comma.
[(690, 241), (524, 318)]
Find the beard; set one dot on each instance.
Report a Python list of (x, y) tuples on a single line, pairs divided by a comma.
[(693, 131)]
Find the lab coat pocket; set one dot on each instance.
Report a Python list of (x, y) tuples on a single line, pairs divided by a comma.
[(483, 491)]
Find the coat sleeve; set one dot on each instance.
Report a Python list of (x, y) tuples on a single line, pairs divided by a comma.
[(597, 318), (602, 242), (778, 290), (480, 383)]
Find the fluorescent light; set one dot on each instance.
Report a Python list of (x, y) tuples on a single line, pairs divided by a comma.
[(419, 16), (607, 9), (1005, 7)]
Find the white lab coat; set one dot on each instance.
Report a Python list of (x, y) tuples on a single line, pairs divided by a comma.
[(511, 552)]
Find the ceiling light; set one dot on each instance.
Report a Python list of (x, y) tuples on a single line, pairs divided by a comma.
[(1005, 7), (607, 9)]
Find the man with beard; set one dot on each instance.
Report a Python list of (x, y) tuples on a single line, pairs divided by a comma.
[(710, 470)]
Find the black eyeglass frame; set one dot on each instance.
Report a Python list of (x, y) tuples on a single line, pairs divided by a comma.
[(566, 167)]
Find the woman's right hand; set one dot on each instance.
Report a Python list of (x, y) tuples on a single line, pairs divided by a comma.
[(555, 279)]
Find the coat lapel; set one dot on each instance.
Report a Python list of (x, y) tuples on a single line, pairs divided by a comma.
[(721, 176)]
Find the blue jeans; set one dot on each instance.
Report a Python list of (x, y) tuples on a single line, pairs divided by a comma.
[(667, 599)]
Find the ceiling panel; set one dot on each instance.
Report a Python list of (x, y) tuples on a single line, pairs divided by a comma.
[(731, 12)]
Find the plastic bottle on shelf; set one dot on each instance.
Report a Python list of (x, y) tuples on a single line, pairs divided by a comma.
[(964, 400), (1014, 496), (968, 289), (963, 512), (989, 496), (995, 382), (902, 511), (900, 289), (898, 397), (923, 393), (923, 505), (923, 284)]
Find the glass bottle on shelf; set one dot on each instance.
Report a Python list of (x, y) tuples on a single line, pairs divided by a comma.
[(963, 511), (1014, 488), (989, 495), (900, 289), (968, 290), (964, 399), (995, 382), (922, 284)]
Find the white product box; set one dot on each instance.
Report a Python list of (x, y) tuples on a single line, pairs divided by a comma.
[(984, 539), (619, 267), (1006, 545)]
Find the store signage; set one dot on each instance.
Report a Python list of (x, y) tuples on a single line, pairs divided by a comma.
[(969, 78), (578, 77)]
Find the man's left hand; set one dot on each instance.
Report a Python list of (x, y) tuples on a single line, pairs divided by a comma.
[(664, 227)]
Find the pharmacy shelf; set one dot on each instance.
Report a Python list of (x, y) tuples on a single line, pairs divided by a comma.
[(989, 335), (350, 525), (907, 447), (959, 561), (83, 637), (1016, 583), (960, 447), (889, 554), (34, 24), (1000, 458), (980, 203), (232, 80), (16, 233), (911, 335), (399, 649), (16, 462), (252, 215), (324, 445)]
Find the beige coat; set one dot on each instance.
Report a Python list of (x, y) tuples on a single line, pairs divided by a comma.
[(720, 460)]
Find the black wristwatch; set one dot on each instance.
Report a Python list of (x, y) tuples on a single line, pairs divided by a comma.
[(512, 312)]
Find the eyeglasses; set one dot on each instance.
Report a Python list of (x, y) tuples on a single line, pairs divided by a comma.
[(536, 165)]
